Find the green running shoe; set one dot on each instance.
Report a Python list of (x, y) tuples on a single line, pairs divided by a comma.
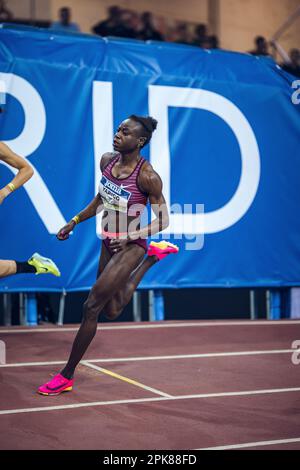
[(43, 265)]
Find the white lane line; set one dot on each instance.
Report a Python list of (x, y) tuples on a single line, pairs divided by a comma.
[(126, 379), (195, 356), (158, 325), (158, 358), (149, 400), (253, 444), (30, 364)]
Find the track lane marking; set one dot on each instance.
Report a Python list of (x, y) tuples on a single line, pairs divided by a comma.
[(157, 358), (126, 379), (158, 325), (253, 444), (150, 400)]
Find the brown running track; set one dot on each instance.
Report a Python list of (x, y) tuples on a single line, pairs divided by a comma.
[(221, 398)]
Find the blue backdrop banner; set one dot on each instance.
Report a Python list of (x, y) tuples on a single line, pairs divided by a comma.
[(226, 147)]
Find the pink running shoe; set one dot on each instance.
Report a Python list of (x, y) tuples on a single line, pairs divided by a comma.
[(161, 249), (56, 386)]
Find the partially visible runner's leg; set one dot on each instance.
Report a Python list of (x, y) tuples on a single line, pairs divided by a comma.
[(37, 264)]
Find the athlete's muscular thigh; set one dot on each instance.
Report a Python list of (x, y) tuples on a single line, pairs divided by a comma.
[(115, 273), (104, 259), (113, 304)]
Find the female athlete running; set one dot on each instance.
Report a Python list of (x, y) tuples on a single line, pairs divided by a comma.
[(128, 182)]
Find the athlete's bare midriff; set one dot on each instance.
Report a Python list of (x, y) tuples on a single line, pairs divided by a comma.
[(114, 222)]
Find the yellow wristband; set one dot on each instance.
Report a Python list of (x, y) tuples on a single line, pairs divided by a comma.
[(12, 187), (76, 219)]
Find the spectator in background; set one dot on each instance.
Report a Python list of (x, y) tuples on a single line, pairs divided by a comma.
[(120, 23), (130, 24), (200, 38), (148, 31), (136, 24), (262, 47), (112, 25), (211, 42), (5, 14), (65, 21), (293, 67), (182, 34), (214, 42)]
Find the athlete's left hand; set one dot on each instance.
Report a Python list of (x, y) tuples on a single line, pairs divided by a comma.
[(117, 244)]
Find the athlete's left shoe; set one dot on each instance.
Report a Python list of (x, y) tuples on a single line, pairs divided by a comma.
[(56, 386), (161, 249), (43, 265)]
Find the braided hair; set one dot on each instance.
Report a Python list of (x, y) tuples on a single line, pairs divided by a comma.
[(149, 124)]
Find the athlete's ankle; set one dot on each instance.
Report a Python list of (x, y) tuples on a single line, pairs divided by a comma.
[(67, 374), (153, 259), (24, 268)]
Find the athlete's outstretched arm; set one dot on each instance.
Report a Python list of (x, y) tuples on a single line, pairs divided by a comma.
[(96, 205), (24, 174), (91, 210)]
